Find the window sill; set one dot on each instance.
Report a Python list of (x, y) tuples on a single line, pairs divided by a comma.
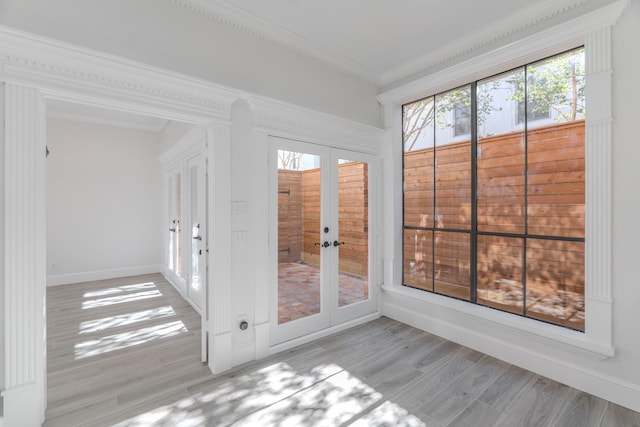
[(503, 324)]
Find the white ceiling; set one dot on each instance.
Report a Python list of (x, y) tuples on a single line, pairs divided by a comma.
[(385, 41)]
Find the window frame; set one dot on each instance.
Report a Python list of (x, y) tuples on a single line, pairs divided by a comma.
[(433, 312), (474, 232)]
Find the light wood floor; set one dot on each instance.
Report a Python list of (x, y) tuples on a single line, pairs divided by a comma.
[(126, 352)]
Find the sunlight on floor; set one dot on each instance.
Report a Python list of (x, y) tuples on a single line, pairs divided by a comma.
[(128, 339), (389, 414), (119, 299), (97, 325), (278, 395), (119, 289)]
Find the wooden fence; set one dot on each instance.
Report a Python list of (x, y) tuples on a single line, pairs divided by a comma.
[(553, 165), (299, 225)]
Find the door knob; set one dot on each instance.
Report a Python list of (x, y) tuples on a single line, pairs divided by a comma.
[(336, 243)]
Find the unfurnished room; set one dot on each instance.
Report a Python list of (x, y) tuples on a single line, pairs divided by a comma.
[(294, 213)]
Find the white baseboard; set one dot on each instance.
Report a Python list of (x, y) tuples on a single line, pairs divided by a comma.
[(243, 353), (323, 333), (88, 276), (21, 406), (514, 350)]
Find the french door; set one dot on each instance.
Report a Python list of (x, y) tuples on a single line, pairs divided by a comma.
[(197, 236), (321, 213), (187, 235)]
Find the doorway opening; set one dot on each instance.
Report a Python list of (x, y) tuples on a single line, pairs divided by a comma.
[(105, 215)]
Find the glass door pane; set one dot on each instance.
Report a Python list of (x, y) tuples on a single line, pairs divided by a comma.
[(197, 199), (178, 226), (353, 229), (299, 232)]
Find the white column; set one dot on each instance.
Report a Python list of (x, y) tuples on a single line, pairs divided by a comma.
[(24, 252), (262, 294), (598, 142), (219, 295)]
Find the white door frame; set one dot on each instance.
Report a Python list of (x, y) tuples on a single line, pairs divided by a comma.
[(331, 314), (33, 70)]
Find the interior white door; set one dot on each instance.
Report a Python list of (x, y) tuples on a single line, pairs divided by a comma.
[(175, 238), (198, 245), (321, 215), (197, 226)]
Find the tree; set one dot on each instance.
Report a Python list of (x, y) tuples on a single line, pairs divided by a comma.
[(289, 160), (436, 110), (556, 84)]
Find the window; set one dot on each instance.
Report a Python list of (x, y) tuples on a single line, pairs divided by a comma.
[(532, 114), (462, 119), (497, 218)]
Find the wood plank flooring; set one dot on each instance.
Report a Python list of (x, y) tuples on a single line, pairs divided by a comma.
[(125, 352)]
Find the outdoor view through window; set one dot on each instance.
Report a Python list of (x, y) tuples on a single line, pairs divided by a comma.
[(494, 191)]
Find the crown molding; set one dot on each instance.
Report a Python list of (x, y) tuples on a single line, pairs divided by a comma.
[(155, 127), (264, 30), (285, 120), (537, 13), (70, 73), (569, 34)]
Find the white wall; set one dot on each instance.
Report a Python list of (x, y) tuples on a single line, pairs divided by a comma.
[(104, 211), (2, 376), (626, 200), (165, 34)]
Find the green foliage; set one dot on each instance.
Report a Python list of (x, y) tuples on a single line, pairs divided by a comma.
[(436, 110), (554, 84)]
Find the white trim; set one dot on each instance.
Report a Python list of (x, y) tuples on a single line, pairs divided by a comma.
[(89, 276), (70, 73), (535, 15), (565, 36), (438, 309), (323, 333), (289, 121), (25, 253), (22, 410), (37, 68), (191, 144), (219, 262), (104, 121), (512, 347)]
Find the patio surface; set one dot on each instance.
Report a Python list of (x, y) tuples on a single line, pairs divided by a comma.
[(299, 290)]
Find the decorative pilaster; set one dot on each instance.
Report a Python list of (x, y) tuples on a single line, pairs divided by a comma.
[(262, 299), (24, 251), (598, 144), (219, 295)]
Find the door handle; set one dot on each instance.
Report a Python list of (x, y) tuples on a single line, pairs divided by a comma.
[(197, 238), (324, 245), (173, 230), (336, 243)]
